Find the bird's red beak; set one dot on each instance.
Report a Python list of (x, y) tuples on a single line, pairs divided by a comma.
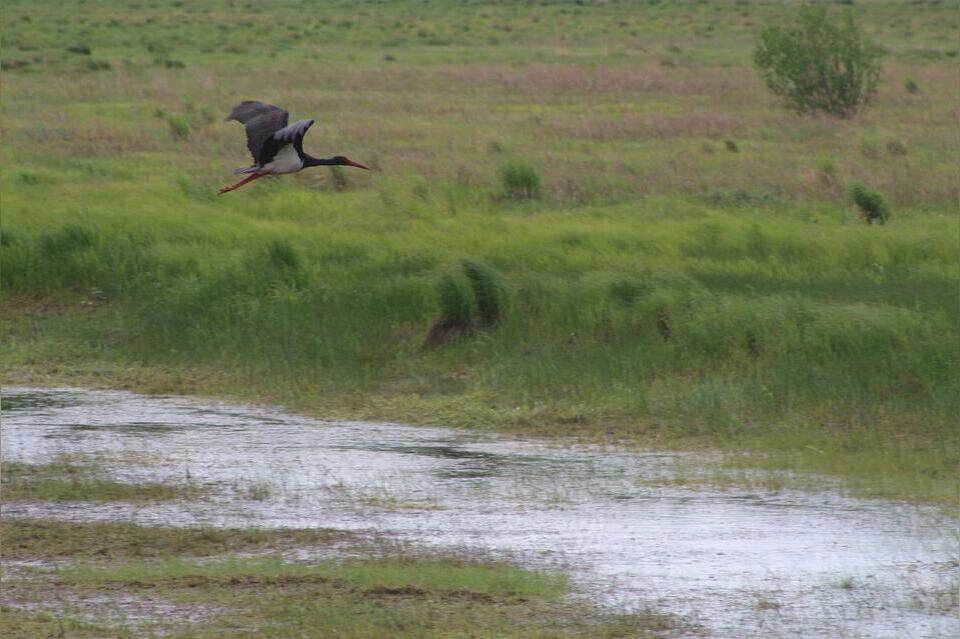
[(356, 164)]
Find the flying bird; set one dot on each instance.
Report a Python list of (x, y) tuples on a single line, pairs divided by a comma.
[(276, 147)]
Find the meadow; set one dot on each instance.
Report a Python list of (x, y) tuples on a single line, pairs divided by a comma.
[(679, 266)]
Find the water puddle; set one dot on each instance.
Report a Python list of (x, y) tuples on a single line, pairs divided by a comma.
[(741, 563)]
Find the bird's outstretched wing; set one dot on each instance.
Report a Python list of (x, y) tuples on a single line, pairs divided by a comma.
[(261, 122), (293, 134)]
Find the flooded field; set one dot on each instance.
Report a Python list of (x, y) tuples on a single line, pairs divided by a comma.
[(630, 528)]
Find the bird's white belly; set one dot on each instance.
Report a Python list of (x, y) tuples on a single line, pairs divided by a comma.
[(285, 161)]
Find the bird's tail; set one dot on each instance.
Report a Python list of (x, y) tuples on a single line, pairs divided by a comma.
[(247, 169)]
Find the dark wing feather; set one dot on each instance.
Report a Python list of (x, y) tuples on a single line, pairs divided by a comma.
[(293, 134), (261, 121)]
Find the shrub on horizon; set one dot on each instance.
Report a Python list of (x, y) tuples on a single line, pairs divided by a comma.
[(819, 63)]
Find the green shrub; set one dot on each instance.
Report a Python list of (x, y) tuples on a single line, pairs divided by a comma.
[(487, 291), (179, 127), (818, 63), (520, 180), (467, 302), (456, 301), (80, 49), (731, 146), (873, 207), (911, 86)]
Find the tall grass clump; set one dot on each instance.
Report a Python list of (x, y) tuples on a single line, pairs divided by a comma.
[(487, 291), (469, 300), (179, 127), (819, 63), (457, 307), (70, 238), (519, 180), (872, 205)]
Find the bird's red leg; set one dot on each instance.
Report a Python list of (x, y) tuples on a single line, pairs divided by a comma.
[(253, 177)]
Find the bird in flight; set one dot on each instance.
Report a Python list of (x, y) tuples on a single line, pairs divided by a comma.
[(276, 147)]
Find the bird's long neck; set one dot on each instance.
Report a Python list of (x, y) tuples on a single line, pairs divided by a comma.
[(309, 160)]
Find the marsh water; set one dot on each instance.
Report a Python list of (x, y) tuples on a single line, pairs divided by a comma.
[(630, 528)]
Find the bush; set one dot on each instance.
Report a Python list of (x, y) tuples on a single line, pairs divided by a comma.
[(818, 64), (467, 302), (456, 312), (520, 180), (80, 49), (179, 127), (911, 86), (456, 301), (487, 291), (873, 207)]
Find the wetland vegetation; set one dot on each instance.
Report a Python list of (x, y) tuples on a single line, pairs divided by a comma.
[(678, 260), (587, 220), (123, 580)]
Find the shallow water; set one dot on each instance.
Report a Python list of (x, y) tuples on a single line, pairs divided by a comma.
[(741, 563)]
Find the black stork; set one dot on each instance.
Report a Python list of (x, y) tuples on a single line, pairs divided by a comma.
[(276, 147)]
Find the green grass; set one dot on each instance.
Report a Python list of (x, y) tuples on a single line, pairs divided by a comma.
[(370, 599), (797, 332), (137, 568), (20, 624), (46, 540), (70, 482)]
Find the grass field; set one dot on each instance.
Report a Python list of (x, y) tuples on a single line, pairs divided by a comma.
[(689, 274)]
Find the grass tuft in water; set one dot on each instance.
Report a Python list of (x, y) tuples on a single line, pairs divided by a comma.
[(69, 482)]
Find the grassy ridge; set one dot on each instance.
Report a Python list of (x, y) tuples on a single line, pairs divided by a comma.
[(689, 272)]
